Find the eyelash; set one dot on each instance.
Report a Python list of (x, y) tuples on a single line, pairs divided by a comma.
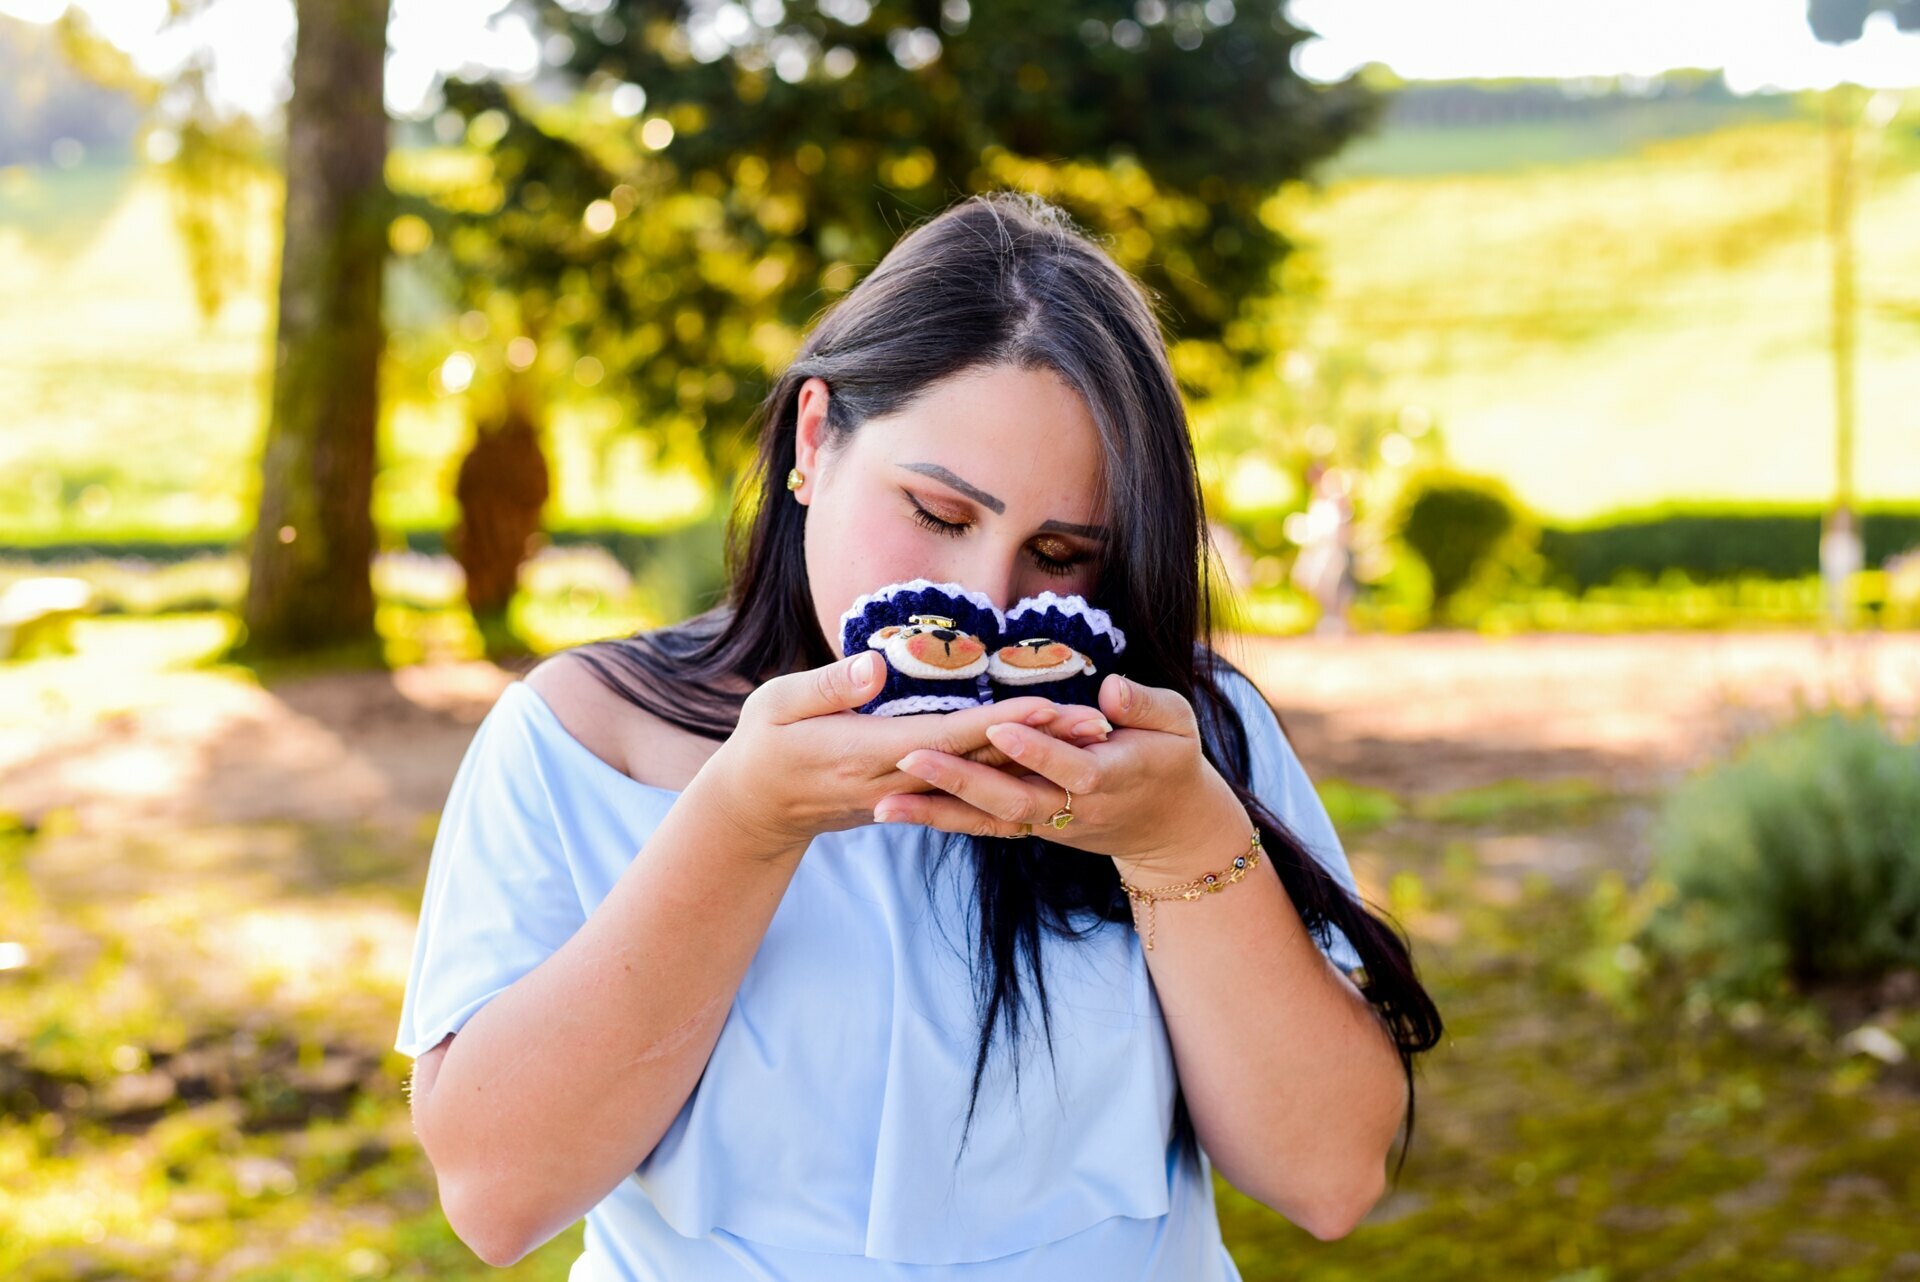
[(1047, 564)]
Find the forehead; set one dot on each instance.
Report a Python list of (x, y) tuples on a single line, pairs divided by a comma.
[(1022, 441)]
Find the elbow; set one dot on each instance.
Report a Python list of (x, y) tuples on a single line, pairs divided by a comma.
[(500, 1254), (480, 1217), (1345, 1197), (1334, 1216), (487, 1233), (474, 1206), (476, 1220)]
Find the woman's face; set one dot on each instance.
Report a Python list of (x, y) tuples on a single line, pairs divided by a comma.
[(1008, 457)]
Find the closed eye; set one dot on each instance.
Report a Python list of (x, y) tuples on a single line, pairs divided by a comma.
[(934, 523), (954, 529)]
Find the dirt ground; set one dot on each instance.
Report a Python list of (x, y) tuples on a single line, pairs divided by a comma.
[(1433, 713), (1415, 714), (237, 899)]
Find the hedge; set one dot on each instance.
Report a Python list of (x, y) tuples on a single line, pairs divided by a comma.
[(1711, 545)]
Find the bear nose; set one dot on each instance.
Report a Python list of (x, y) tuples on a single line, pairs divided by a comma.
[(945, 634)]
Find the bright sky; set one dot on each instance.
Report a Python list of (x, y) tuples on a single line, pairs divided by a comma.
[(1760, 43), (252, 43)]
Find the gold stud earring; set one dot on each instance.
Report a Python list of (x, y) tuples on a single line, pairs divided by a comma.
[(795, 478)]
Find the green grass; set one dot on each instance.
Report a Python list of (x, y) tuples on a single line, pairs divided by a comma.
[(195, 1069), (206, 1056), (1628, 328), (1356, 808), (60, 210), (130, 416), (1614, 324), (1575, 1126), (1532, 799), (1422, 150)]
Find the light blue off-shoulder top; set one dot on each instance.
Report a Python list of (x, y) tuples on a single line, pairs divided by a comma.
[(818, 1145)]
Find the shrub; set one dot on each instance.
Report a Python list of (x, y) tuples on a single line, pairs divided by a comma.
[(1714, 542), (1798, 859), (1456, 524)]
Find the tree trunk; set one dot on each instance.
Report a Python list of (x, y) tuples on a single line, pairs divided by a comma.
[(310, 558), (502, 488)]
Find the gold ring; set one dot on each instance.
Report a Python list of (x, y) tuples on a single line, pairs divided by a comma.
[(1063, 816)]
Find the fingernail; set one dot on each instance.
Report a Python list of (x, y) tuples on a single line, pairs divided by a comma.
[(902, 764), (1099, 725), (1038, 717), (865, 666), (1126, 695), (888, 816)]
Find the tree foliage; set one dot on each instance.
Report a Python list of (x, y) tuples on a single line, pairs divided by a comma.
[(1844, 21), (756, 159)]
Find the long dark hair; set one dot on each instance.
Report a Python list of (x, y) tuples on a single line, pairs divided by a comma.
[(1006, 279)]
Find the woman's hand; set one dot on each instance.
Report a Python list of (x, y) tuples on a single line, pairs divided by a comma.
[(1073, 723), (1140, 796), (801, 762)]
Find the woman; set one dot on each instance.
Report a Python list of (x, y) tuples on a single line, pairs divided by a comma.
[(764, 1046)]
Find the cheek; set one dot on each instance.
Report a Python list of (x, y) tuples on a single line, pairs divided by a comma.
[(851, 552), (869, 550)]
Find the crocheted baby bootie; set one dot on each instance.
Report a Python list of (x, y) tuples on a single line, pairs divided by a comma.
[(1054, 645), (934, 638)]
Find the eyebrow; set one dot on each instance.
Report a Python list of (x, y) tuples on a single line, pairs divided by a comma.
[(997, 506)]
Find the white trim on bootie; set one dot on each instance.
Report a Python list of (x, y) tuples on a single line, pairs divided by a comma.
[(924, 703), (892, 590), (1097, 619)]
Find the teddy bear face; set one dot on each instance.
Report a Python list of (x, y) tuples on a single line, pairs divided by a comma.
[(950, 647), (932, 647), (1034, 660)]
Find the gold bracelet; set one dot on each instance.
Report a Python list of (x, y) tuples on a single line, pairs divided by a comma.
[(1206, 885)]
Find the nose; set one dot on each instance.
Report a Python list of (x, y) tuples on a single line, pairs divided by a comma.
[(991, 574), (945, 634), (991, 570)]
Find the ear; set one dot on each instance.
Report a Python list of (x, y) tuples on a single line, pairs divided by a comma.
[(883, 635), (809, 430)]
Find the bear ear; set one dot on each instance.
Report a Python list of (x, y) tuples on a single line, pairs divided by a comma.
[(883, 635)]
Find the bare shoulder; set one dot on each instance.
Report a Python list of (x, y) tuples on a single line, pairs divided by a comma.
[(630, 739)]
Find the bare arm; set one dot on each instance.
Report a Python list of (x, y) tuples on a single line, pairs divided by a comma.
[(1292, 1080), (555, 1090), (561, 1084), (1311, 1142)]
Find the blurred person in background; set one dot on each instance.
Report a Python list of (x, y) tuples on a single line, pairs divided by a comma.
[(1324, 567)]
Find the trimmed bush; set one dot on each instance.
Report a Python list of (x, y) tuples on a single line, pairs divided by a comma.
[(1456, 523), (1713, 543), (1797, 859)]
